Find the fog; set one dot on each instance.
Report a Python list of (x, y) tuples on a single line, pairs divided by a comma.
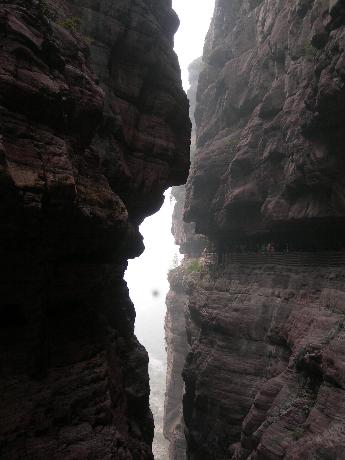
[(195, 17), (147, 275), (148, 285)]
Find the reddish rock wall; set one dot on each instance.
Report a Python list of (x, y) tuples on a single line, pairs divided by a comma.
[(175, 330), (264, 375), (94, 127), (271, 101), (184, 233), (177, 349)]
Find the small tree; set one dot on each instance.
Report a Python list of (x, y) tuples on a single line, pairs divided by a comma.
[(175, 261)]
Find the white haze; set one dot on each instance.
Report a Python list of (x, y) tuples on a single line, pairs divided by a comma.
[(195, 17), (147, 278), (147, 275)]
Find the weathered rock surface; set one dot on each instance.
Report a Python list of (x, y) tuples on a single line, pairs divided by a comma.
[(94, 127), (270, 110), (175, 330), (177, 349), (264, 378), (184, 233)]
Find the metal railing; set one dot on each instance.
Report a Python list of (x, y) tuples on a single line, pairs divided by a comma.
[(313, 259)]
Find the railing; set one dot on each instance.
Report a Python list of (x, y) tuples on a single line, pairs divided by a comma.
[(313, 259)]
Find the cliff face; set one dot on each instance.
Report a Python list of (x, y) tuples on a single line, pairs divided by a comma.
[(264, 378), (94, 127), (269, 117), (184, 233), (177, 349), (264, 375), (190, 244)]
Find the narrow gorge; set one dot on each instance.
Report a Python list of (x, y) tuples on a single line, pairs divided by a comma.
[(255, 320), (95, 127)]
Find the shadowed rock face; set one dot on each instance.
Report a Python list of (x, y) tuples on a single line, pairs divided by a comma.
[(177, 349), (264, 374), (264, 377), (270, 106), (175, 329), (94, 127), (184, 233)]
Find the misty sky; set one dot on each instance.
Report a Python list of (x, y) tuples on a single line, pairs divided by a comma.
[(195, 17), (147, 275)]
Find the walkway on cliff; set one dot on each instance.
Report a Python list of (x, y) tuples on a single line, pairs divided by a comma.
[(314, 259)]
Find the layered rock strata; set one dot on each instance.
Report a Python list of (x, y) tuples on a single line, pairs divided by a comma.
[(270, 105), (177, 349), (94, 127), (189, 242), (264, 376), (190, 245)]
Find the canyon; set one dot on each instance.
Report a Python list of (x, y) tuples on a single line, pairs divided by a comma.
[(256, 309), (94, 128)]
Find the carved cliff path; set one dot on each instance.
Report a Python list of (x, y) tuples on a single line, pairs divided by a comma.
[(289, 259)]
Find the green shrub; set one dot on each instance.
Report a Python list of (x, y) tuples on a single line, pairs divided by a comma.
[(73, 24), (309, 50), (88, 40), (232, 144), (194, 266)]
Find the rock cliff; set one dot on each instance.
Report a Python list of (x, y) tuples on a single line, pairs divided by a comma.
[(183, 232), (269, 114), (177, 349), (94, 127), (264, 374), (190, 244)]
